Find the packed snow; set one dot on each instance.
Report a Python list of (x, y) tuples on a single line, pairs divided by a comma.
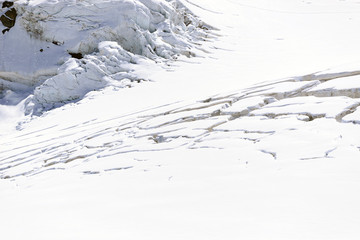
[(179, 119)]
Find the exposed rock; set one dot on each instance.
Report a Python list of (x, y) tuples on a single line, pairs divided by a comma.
[(9, 17), (7, 4), (76, 55)]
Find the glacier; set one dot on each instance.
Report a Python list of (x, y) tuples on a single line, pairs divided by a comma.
[(188, 119)]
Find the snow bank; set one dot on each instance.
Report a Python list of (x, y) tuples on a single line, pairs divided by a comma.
[(67, 48)]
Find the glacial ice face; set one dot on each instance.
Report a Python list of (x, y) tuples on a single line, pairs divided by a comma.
[(67, 48)]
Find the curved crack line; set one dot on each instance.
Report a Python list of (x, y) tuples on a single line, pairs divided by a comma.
[(273, 154), (346, 112)]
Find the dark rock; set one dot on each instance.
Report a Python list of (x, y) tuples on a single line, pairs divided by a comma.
[(9, 17), (56, 43), (7, 4), (76, 55), (5, 30)]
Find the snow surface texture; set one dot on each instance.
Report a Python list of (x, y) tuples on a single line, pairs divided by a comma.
[(300, 112), (68, 48)]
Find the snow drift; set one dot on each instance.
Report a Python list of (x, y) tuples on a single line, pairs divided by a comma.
[(65, 49)]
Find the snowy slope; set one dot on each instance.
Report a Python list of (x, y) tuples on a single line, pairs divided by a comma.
[(210, 148)]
